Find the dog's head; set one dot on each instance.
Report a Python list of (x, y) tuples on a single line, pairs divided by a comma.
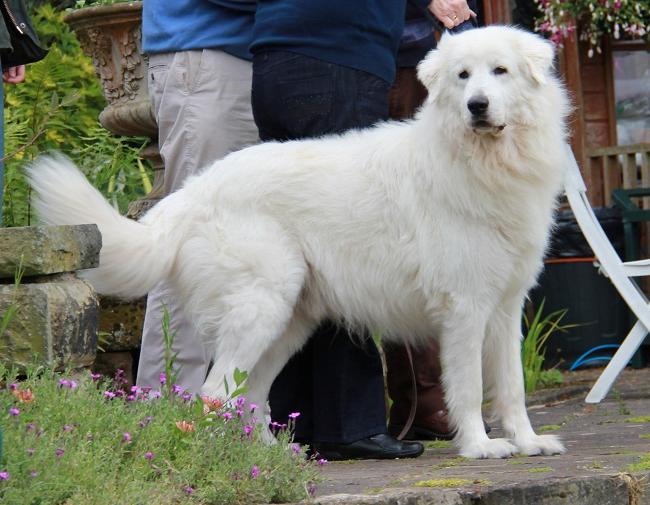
[(489, 78)]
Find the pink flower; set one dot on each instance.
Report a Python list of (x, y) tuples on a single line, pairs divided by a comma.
[(4, 475), (162, 377), (248, 429), (255, 472), (227, 415), (149, 455), (95, 376), (67, 427), (321, 461), (188, 490), (253, 407), (14, 411), (294, 415), (109, 394), (59, 452), (126, 437), (13, 387)]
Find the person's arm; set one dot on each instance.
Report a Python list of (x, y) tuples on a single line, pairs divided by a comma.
[(14, 75)]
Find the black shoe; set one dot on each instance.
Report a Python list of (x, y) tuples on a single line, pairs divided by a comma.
[(420, 433), (381, 446)]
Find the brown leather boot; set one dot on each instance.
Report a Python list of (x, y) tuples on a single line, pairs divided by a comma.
[(431, 421)]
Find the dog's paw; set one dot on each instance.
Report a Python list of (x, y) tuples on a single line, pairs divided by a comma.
[(540, 444), (489, 448)]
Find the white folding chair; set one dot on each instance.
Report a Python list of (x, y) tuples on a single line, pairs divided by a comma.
[(619, 273)]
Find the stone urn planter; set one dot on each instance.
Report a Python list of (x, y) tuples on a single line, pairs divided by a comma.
[(111, 36)]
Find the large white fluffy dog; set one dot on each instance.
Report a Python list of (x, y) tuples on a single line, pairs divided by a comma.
[(432, 227)]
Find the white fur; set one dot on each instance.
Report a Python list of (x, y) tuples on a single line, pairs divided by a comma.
[(430, 227)]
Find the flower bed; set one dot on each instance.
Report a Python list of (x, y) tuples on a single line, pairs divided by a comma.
[(85, 439)]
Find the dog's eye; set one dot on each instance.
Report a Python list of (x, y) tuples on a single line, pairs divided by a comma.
[(500, 70), (463, 75)]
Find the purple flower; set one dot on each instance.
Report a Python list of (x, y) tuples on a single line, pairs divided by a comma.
[(33, 473), (239, 413), (311, 489), (294, 415), (135, 390), (248, 429), (187, 396), (321, 461), (295, 448), (4, 475), (253, 407), (67, 427), (227, 415), (239, 402), (14, 411), (162, 377), (59, 452), (126, 437), (13, 387), (149, 455), (30, 427), (95, 376), (69, 384), (156, 394), (188, 490), (176, 389), (255, 472), (109, 394), (30, 451)]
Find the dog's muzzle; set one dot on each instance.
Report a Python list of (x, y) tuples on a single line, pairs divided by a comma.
[(478, 107)]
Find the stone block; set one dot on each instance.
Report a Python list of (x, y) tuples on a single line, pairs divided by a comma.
[(55, 322), (49, 249), (120, 323)]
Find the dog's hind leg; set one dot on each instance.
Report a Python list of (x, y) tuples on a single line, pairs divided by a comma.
[(503, 373), (461, 341), (241, 286), (272, 362)]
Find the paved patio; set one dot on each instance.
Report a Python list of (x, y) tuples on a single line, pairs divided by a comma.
[(607, 463)]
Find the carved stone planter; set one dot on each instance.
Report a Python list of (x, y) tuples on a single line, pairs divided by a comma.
[(111, 36)]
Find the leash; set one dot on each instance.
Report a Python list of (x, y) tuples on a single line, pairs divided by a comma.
[(414, 396)]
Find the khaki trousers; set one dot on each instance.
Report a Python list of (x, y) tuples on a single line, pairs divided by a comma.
[(202, 104)]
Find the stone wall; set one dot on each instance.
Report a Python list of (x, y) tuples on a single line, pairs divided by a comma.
[(56, 313)]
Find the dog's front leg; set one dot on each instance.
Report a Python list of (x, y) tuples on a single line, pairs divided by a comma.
[(505, 382), (460, 348)]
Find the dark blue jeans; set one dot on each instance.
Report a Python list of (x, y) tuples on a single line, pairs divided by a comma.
[(335, 382)]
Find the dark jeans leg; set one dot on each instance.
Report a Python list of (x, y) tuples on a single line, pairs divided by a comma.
[(335, 382)]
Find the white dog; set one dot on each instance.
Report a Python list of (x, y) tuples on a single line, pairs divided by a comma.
[(435, 226)]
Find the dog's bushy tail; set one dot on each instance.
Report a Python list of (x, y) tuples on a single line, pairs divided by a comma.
[(133, 259)]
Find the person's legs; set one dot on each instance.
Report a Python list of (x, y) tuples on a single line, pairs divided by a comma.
[(296, 96), (202, 105)]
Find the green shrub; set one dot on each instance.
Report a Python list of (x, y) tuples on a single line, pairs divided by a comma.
[(56, 108), (74, 440)]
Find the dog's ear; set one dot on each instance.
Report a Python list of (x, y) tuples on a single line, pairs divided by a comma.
[(429, 71), (538, 56)]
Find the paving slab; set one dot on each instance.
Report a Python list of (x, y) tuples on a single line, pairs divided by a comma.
[(607, 462)]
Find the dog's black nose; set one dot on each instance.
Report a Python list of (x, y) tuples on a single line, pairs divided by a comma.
[(478, 105)]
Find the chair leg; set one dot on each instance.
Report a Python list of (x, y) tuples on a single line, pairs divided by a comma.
[(618, 362)]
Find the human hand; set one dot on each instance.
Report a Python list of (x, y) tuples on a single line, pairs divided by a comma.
[(451, 12), (14, 75)]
